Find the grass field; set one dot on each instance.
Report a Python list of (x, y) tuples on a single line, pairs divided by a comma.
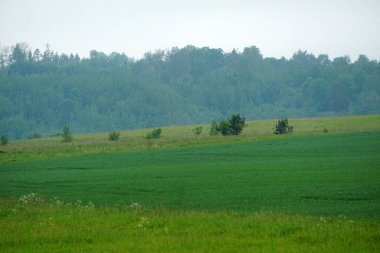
[(74, 228), (177, 136), (319, 175), (311, 191)]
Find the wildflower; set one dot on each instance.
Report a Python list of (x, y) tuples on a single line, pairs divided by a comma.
[(143, 222), (135, 205), (56, 201), (31, 198), (90, 205)]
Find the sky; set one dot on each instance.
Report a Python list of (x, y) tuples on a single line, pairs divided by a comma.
[(277, 27)]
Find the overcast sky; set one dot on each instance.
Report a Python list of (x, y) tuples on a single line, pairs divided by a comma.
[(278, 28)]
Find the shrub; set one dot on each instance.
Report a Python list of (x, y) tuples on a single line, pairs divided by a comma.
[(156, 133), (214, 128), (66, 135), (282, 127), (113, 136), (224, 128), (198, 131), (3, 140), (234, 126)]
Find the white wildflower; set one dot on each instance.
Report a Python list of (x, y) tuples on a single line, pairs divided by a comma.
[(135, 205)]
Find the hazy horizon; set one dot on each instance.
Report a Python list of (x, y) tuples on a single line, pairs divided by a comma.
[(277, 28)]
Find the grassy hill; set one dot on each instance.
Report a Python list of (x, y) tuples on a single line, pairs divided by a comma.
[(178, 136), (316, 190)]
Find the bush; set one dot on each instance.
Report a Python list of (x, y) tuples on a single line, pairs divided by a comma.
[(282, 127), (66, 135), (4, 140), (198, 131), (224, 128), (113, 136), (155, 134), (234, 126)]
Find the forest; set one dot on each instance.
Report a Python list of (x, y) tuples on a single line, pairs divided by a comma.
[(41, 91)]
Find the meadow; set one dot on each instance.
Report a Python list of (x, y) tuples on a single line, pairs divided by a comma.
[(316, 190), (76, 228), (177, 136)]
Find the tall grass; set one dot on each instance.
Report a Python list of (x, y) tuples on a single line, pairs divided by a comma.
[(51, 227)]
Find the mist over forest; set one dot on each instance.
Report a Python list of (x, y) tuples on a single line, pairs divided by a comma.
[(41, 91)]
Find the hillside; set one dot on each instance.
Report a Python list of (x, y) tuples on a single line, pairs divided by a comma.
[(177, 136), (40, 92)]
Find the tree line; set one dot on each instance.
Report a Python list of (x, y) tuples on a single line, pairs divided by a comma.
[(41, 91)]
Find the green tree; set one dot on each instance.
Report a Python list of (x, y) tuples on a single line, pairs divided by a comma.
[(224, 128), (283, 127), (338, 99), (3, 140), (37, 55), (66, 135), (154, 134), (19, 54), (113, 135), (197, 132), (236, 124)]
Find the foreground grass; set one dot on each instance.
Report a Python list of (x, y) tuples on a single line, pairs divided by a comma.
[(177, 136), (80, 228)]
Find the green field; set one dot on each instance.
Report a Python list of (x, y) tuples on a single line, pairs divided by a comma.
[(256, 191), (319, 175), (56, 228)]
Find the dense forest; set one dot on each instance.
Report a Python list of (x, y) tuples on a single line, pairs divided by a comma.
[(41, 91)]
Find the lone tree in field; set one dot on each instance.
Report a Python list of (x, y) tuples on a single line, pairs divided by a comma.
[(198, 131), (3, 140), (66, 135), (236, 124), (113, 135), (282, 127), (155, 134)]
